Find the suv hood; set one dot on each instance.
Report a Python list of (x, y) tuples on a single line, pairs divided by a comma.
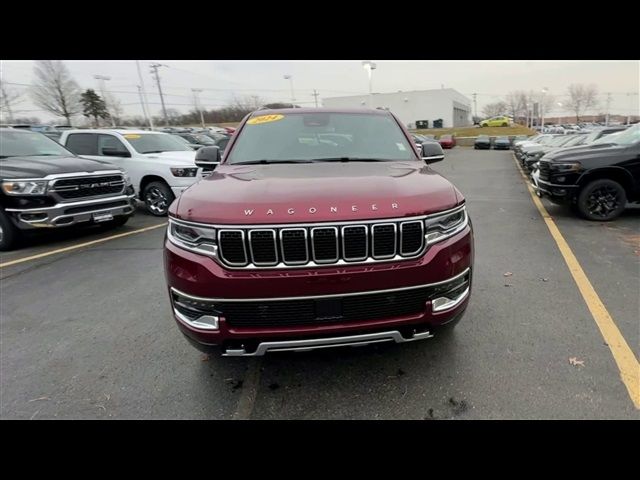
[(174, 158), (41, 166), (584, 152), (316, 192)]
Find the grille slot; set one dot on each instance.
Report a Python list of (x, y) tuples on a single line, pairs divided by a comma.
[(232, 248), (83, 187), (325, 244), (384, 240), (412, 237), (293, 242), (354, 243), (263, 247)]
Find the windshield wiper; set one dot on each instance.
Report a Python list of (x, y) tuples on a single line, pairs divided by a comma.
[(269, 162), (154, 151), (350, 159)]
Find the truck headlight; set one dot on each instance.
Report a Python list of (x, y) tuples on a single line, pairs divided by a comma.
[(25, 187), (442, 226), (566, 167), (196, 238), (184, 172)]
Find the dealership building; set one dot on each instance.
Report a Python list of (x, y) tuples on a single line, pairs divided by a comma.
[(446, 105)]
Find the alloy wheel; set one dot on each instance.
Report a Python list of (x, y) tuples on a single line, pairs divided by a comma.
[(603, 201), (156, 200)]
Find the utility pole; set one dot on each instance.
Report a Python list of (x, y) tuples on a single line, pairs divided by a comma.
[(290, 78), (147, 112), (144, 110), (154, 67), (101, 79), (369, 66), (315, 95), (606, 122), (197, 103), (475, 104)]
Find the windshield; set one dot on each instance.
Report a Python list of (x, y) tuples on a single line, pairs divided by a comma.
[(625, 137), (321, 136), (156, 143), (26, 144), (575, 140)]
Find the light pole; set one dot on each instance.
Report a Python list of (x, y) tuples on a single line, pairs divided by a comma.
[(197, 104), (290, 78), (544, 91), (560, 105), (101, 79), (369, 66), (146, 111)]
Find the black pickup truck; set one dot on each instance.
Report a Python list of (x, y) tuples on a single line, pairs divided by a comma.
[(44, 186), (598, 179)]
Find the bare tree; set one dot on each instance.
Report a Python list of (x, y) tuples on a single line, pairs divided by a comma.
[(516, 104), (114, 107), (581, 98), (55, 90), (8, 98), (494, 109)]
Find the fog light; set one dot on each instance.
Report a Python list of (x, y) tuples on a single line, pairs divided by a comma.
[(33, 217), (196, 312), (445, 303)]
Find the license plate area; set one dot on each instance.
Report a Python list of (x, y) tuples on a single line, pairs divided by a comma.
[(102, 217)]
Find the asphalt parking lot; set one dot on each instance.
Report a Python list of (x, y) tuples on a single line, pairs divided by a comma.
[(87, 332)]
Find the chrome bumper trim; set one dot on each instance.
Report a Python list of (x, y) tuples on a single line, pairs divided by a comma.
[(316, 343), (57, 212), (311, 297)]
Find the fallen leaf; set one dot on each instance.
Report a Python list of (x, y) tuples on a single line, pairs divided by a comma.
[(575, 362), (204, 358), (507, 284), (507, 274)]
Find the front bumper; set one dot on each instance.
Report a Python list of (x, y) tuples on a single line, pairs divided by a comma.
[(65, 214), (201, 278)]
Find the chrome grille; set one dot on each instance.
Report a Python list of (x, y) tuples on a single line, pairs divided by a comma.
[(318, 244), (87, 186)]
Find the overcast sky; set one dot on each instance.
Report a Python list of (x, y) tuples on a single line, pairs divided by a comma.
[(221, 80)]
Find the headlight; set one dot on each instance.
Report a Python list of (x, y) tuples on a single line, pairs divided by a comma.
[(199, 239), (443, 226), (566, 167), (184, 172), (25, 187), (127, 179)]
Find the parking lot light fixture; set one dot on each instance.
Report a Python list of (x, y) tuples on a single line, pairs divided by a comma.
[(290, 78), (544, 91), (369, 66)]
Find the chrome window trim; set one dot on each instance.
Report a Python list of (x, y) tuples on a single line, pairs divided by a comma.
[(331, 261), (306, 247), (402, 224), (366, 244), (244, 248), (331, 295), (275, 247), (373, 241)]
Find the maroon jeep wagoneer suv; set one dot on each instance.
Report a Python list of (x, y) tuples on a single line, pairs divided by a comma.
[(318, 228)]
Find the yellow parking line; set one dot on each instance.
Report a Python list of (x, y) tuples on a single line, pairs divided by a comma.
[(622, 354), (80, 245)]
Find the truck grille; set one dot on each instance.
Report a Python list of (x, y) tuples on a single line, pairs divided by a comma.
[(545, 171), (353, 308), (83, 187), (320, 244)]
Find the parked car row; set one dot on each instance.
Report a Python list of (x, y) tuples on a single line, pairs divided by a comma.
[(483, 142), (445, 141), (92, 176), (597, 174)]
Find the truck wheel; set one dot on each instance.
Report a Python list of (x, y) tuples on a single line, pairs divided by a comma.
[(8, 233), (602, 200), (157, 197)]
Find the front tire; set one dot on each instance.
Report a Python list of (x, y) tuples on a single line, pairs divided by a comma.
[(157, 197), (9, 234), (602, 200)]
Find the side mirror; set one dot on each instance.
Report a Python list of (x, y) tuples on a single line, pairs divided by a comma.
[(115, 152), (208, 158), (432, 152)]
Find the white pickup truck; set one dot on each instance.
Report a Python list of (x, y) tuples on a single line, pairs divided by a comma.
[(160, 166)]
